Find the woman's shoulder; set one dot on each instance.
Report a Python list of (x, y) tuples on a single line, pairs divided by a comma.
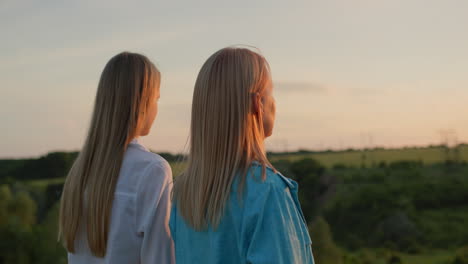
[(265, 189), (137, 153), (272, 176), (263, 178), (145, 166)]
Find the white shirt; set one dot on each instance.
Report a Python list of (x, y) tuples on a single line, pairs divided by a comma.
[(139, 226)]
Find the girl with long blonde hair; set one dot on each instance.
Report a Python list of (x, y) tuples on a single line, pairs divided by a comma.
[(116, 198), (230, 205)]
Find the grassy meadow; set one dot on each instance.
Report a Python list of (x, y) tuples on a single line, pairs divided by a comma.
[(373, 157), (376, 206)]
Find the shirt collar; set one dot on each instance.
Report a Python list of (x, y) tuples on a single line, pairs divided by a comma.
[(134, 141), (289, 182)]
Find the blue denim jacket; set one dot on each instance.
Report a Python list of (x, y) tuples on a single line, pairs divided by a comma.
[(265, 226)]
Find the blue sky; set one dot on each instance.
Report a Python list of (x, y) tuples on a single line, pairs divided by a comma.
[(344, 70)]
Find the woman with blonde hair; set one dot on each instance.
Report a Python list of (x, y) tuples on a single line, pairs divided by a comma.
[(230, 205), (116, 199)]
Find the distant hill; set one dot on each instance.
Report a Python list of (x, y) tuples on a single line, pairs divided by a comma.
[(57, 164)]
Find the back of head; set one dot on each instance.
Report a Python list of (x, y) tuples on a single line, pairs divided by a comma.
[(127, 85), (226, 134)]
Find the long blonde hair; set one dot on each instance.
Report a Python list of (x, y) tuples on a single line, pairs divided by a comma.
[(127, 84), (226, 134)]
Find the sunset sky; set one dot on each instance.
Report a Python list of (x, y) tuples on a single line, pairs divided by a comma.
[(347, 73)]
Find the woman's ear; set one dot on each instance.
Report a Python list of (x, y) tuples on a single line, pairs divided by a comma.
[(257, 106)]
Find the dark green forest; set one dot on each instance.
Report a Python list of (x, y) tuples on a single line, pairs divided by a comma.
[(393, 212)]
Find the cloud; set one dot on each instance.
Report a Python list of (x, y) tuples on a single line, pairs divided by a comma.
[(364, 92)]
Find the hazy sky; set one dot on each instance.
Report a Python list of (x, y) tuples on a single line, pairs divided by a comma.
[(345, 71)]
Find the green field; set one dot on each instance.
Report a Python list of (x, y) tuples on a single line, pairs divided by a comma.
[(43, 183), (374, 157), (369, 199)]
